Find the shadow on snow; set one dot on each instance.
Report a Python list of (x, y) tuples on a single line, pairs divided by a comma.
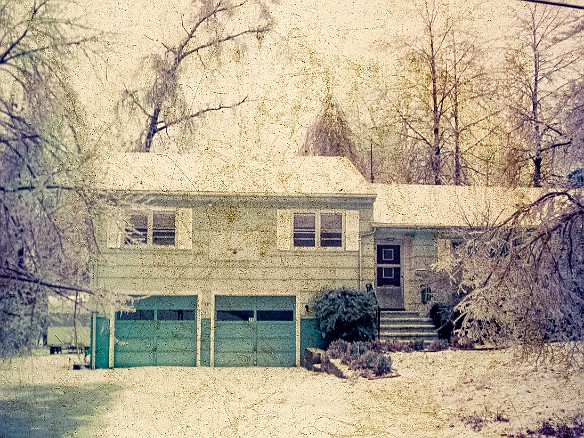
[(51, 411)]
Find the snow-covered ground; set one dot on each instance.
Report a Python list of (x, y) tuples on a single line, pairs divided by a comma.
[(42, 397)]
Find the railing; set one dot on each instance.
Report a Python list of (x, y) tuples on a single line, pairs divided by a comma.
[(369, 288)]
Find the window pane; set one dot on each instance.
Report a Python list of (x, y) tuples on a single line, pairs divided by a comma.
[(304, 229), (176, 315), (138, 315), (388, 276), (388, 254), (163, 228), (275, 315), (331, 230), (136, 229), (234, 315)]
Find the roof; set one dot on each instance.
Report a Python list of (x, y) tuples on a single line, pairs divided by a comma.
[(217, 174), (447, 206)]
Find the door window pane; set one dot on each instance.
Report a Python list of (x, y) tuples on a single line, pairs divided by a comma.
[(388, 276), (304, 229), (388, 254), (331, 230), (163, 228)]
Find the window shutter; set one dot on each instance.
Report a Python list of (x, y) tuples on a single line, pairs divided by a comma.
[(114, 231), (184, 228), (284, 230), (352, 230)]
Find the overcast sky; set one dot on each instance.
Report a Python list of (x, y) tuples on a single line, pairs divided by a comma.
[(314, 43)]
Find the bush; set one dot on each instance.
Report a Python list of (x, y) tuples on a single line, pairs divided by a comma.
[(358, 356), (438, 345), (345, 314), (461, 342)]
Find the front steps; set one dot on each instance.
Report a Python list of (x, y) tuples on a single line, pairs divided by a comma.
[(406, 326)]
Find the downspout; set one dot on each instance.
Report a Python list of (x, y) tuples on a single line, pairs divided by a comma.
[(93, 341), (361, 235)]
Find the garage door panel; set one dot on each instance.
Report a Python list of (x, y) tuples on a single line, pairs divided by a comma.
[(178, 345), (275, 330), (277, 359), (235, 359), (135, 329), (175, 358), (134, 359), (177, 329), (235, 329), (135, 345), (276, 303), (246, 345)]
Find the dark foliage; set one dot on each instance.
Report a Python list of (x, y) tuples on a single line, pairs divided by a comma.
[(345, 314)]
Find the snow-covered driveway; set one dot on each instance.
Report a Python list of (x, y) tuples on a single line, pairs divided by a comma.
[(42, 397)]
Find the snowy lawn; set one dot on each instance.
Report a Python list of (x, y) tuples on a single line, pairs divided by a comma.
[(435, 392)]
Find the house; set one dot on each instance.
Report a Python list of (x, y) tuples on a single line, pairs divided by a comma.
[(222, 256)]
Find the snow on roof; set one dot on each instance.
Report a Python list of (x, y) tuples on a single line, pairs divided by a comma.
[(447, 206), (228, 175)]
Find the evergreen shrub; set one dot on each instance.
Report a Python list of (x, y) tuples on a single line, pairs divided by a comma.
[(345, 314)]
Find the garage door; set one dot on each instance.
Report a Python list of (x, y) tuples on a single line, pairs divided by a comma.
[(255, 331), (162, 331)]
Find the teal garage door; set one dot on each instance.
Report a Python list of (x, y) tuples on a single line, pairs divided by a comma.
[(255, 331), (162, 331)]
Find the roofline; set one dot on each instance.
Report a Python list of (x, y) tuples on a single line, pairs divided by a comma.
[(422, 226)]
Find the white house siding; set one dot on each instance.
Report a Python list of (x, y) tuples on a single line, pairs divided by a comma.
[(234, 252)]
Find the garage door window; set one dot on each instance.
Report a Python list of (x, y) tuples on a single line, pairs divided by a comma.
[(138, 315), (234, 315), (176, 315), (275, 315)]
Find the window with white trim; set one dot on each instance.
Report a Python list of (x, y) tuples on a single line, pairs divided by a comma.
[(336, 229), (320, 230), (157, 228)]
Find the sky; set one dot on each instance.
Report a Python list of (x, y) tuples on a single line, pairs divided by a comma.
[(315, 46)]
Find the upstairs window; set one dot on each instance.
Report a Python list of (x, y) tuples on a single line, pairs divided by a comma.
[(156, 228), (163, 228), (304, 229), (331, 230), (324, 229), (329, 226), (136, 229)]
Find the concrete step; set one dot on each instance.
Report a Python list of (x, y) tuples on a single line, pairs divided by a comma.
[(405, 321), (406, 326), (399, 314), (405, 336), (423, 328)]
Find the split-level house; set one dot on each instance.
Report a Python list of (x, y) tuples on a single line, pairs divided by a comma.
[(220, 258)]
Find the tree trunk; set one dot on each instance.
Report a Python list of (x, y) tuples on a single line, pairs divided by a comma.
[(152, 124), (436, 159)]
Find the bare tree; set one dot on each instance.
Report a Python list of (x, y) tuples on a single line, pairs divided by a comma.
[(45, 227), (163, 104), (443, 98), (543, 59), (330, 135)]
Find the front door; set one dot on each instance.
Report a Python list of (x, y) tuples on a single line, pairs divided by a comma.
[(388, 276)]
